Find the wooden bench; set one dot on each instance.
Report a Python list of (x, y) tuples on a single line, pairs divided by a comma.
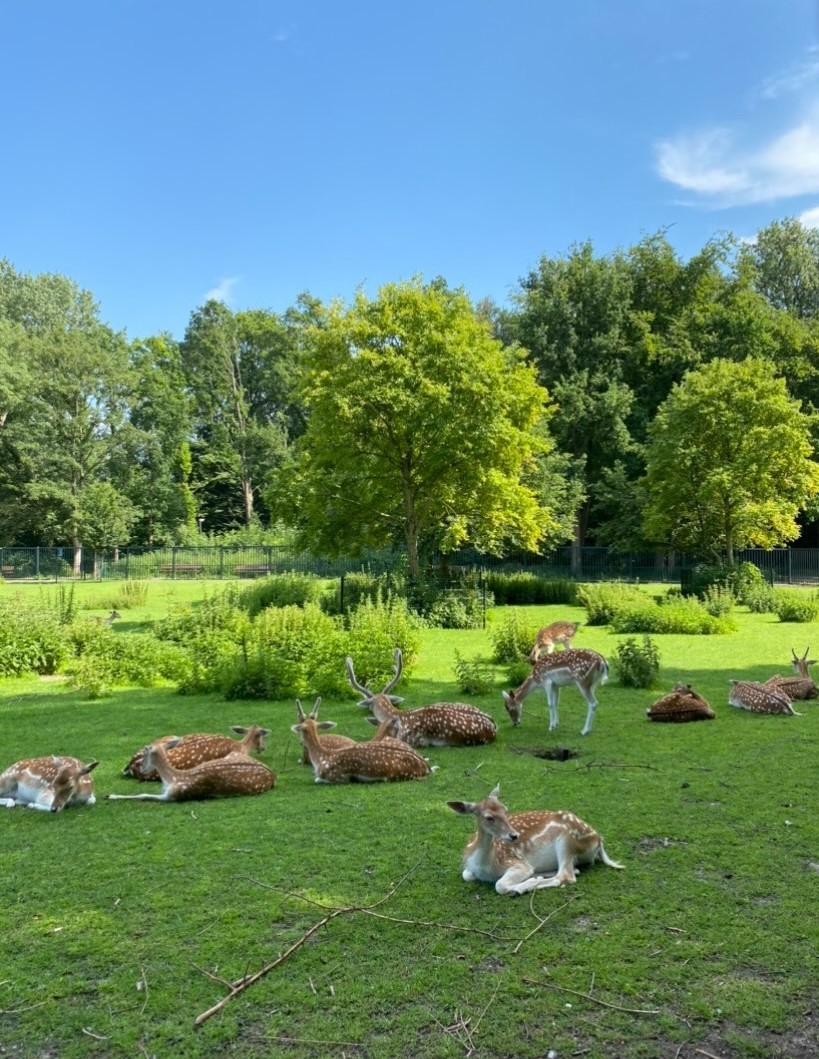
[(181, 570), (251, 571), (6, 570)]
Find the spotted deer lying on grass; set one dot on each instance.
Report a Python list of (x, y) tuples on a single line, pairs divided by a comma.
[(801, 686), (559, 632), (760, 698), (440, 724), (581, 667), (681, 704), (379, 760), (230, 776), (188, 750), (48, 783), (514, 852)]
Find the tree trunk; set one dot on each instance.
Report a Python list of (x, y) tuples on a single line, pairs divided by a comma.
[(247, 500), (76, 568)]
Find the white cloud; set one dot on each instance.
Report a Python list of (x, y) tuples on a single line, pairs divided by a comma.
[(223, 291), (712, 166), (793, 79), (810, 218)]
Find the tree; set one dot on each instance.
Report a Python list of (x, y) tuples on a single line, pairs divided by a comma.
[(104, 518), (422, 430), (729, 461), (785, 262)]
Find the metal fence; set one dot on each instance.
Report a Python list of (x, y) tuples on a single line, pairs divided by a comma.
[(781, 565)]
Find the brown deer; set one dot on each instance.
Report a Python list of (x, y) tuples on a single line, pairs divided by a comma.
[(112, 617), (329, 742), (681, 704), (559, 632), (801, 686), (514, 851), (440, 724), (373, 762), (760, 698), (581, 667), (193, 749), (48, 783), (226, 777)]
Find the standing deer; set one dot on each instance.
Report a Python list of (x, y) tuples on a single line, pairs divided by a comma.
[(193, 749), (373, 762), (225, 777), (760, 698), (441, 724), (559, 632), (48, 783), (513, 851), (579, 666), (801, 686)]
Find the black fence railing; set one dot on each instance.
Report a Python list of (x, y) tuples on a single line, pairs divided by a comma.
[(781, 565)]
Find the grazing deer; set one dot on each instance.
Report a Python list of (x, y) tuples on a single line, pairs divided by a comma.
[(513, 851), (559, 632), (760, 698), (48, 783), (193, 749), (681, 704), (225, 777), (579, 666), (373, 762), (441, 724), (802, 685)]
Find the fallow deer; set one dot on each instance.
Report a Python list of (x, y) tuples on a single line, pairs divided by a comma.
[(440, 724), (581, 667), (48, 783), (681, 704), (801, 686), (112, 617), (373, 762), (514, 851), (559, 632), (226, 777), (193, 749), (760, 698), (329, 742)]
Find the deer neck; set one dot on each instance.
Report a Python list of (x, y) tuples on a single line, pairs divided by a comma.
[(383, 709)]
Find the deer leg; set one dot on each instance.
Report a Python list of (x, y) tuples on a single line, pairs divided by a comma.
[(591, 701), (553, 698), (517, 881), (7, 803), (137, 797)]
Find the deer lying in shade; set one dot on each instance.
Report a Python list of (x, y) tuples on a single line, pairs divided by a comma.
[(226, 777), (514, 852), (440, 724), (188, 750), (681, 704), (48, 783)]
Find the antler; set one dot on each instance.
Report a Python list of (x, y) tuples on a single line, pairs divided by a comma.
[(314, 711), (353, 682), (398, 668), (300, 711)]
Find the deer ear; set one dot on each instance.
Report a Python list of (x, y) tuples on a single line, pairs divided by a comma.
[(461, 807), (88, 768), (396, 700), (495, 792), (324, 726), (373, 720), (238, 729), (295, 728)]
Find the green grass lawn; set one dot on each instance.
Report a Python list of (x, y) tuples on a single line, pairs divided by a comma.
[(122, 923)]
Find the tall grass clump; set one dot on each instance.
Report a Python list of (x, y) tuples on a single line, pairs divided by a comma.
[(131, 594), (512, 640), (522, 589), (791, 604), (604, 599)]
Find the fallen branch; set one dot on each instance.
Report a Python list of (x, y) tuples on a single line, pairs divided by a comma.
[(594, 999), (304, 1040), (611, 765), (543, 919)]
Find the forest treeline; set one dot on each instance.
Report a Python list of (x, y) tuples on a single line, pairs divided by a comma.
[(634, 399)]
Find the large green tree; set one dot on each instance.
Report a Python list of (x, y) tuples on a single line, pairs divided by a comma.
[(729, 461), (423, 430)]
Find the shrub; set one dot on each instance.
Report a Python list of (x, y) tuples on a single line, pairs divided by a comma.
[(684, 615), (718, 600), (374, 631), (603, 599), (474, 675), (451, 611), (518, 589), (32, 639), (637, 664), (791, 604), (738, 578), (135, 659), (760, 599), (131, 594), (512, 640), (280, 590), (517, 672)]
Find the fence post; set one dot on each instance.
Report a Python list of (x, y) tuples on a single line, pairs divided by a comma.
[(37, 561), (790, 569), (341, 595), (483, 594)]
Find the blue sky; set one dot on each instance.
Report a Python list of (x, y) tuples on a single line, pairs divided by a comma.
[(162, 151)]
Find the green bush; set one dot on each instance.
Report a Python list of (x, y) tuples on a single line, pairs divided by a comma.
[(281, 590), (131, 594), (718, 600), (684, 615), (33, 639), (521, 589), (791, 604), (637, 664), (451, 611), (517, 672), (512, 640), (738, 578), (760, 599), (474, 675), (604, 599), (112, 659), (374, 631)]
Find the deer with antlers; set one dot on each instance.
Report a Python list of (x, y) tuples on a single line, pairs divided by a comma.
[(800, 686), (48, 783), (230, 776), (189, 750), (760, 698), (527, 851), (559, 632), (581, 667), (440, 724), (380, 760)]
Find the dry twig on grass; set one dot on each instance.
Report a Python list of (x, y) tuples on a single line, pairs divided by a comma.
[(594, 999)]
